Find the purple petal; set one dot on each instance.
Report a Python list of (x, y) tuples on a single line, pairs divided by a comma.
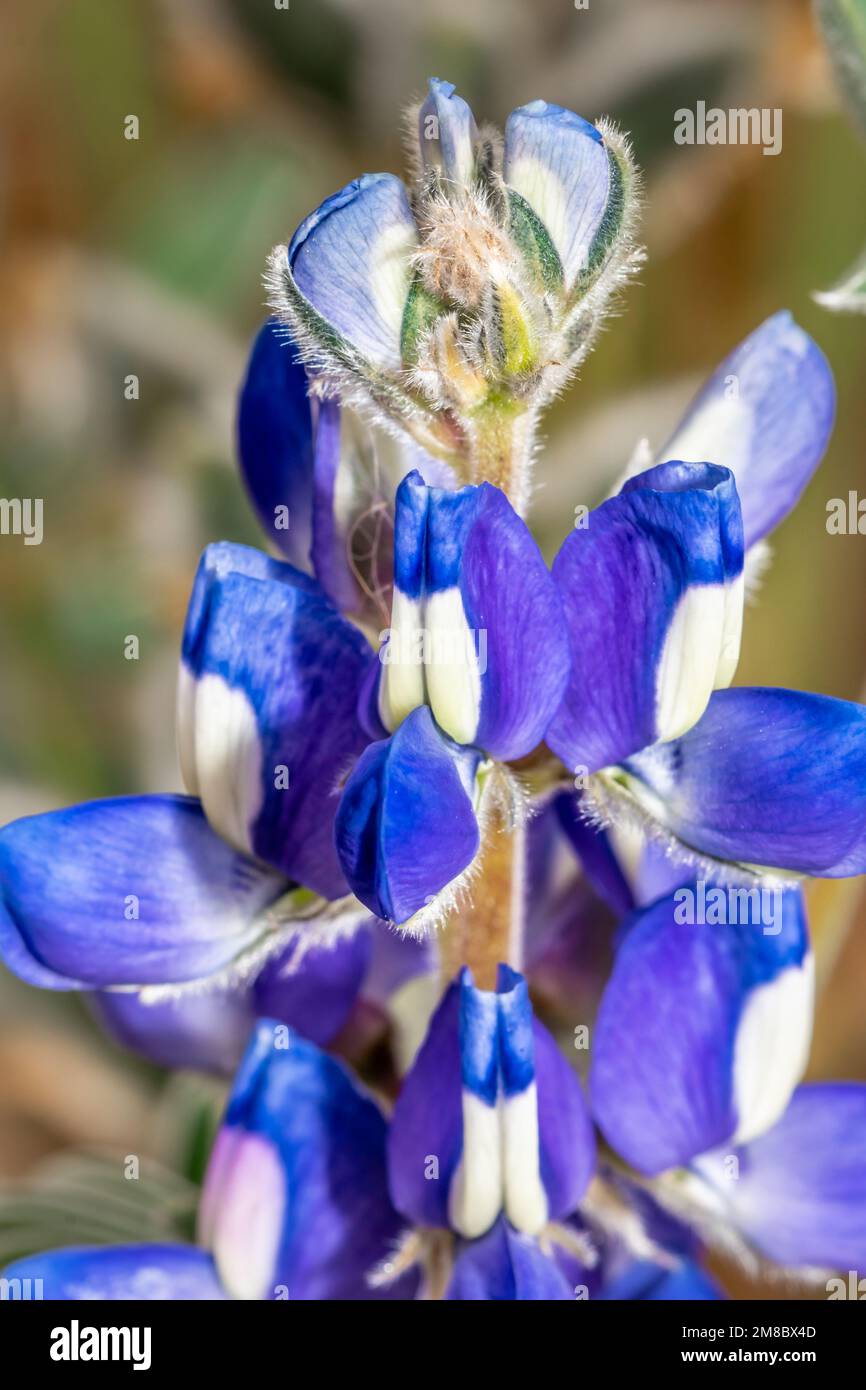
[(447, 133), (317, 996), (267, 710), (559, 164), (490, 1117), (125, 1273), (470, 577), (652, 592), (643, 1279), (598, 860), (406, 826), (208, 1030), (705, 1026), (767, 777), (131, 891), (204, 1031), (295, 1201), (275, 443), (800, 1193), (504, 1266), (766, 413), (351, 260)]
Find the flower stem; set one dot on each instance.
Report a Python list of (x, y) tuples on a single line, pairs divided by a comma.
[(501, 434), (487, 929)]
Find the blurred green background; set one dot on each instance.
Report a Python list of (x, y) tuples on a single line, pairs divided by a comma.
[(145, 257)]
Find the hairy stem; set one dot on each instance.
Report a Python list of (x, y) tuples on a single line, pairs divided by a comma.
[(487, 929), (501, 435)]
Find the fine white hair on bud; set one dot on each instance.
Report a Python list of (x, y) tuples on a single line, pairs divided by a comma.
[(453, 310), (462, 248)]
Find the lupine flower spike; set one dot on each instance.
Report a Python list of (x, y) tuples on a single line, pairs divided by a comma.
[(433, 782)]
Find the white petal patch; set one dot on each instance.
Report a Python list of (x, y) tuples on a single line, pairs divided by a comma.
[(686, 674), (452, 667), (732, 632), (500, 1167), (772, 1048), (571, 223), (475, 1198), (525, 1199), (390, 275), (402, 686), (185, 728), (721, 431), (248, 1209), (227, 758)]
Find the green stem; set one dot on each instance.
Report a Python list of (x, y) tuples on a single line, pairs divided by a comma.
[(501, 433)]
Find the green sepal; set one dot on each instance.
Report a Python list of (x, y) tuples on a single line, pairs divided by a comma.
[(421, 312), (533, 241)]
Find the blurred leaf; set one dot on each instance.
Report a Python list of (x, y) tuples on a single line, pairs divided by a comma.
[(849, 294), (187, 1121), (843, 23), (311, 43), (202, 217), (84, 1199)]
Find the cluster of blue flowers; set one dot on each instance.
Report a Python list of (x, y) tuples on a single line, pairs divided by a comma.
[(435, 784)]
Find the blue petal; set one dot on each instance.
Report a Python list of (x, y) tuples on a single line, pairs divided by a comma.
[(131, 1273), (295, 1202), (598, 859), (652, 591), (207, 1030), (705, 1025), (626, 868), (568, 931), (425, 1140), (396, 959), (351, 260), (275, 443), (490, 1117), (316, 995), (800, 1194), (766, 413), (768, 777), (559, 163), (136, 890), (470, 577), (447, 133), (643, 1279), (504, 1266), (406, 825), (204, 1031), (267, 710), (331, 547)]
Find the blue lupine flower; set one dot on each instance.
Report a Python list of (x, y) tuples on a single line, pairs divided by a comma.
[(295, 1201), (386, 443), (141, 890), (489, 1150), (743, 776), (296, 1198), (477, 635), (729, 1007), (493, 1101), (722, 978), (256, 717)]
